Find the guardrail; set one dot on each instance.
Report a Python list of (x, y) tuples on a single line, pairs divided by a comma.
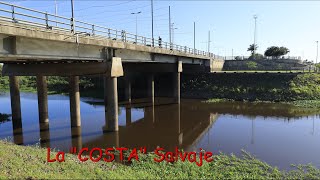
[(247, 57), (18, 14)]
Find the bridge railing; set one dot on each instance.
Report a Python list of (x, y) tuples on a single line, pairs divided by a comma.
[(18, 14)]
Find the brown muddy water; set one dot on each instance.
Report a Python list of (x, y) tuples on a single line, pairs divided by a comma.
[(278, 134)]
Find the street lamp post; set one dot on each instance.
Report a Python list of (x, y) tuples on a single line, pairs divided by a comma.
[(317, 51), (173, 28), (152, 23), (194, 37), (136, 13), (72, 17), (255, 34), (317, 55), (56, 11)]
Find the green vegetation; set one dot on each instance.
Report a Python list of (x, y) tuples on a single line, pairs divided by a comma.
[(252, 48), (252, 65), (253, 87), (275, 52), (307, 103), (4, 118), (30, 163), (56, 84)]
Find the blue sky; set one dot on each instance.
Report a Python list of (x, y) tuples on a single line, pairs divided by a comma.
[(294, 24)]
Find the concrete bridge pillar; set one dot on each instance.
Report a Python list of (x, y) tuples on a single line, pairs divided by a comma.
[(111, 103), (74, 101), (149, 114), (44, 134), (111, 90), (128, 89), (76, 137), (18, 136), (178, 117), (150, 88), (177, 83), (42, 99), (128, 116), (15, 102), (176, 87)]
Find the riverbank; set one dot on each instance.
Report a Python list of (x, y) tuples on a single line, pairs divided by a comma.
[(315, 104), (295, 88), (29, 162)]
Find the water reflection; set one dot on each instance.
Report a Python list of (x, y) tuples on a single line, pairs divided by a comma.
[(276, 133)]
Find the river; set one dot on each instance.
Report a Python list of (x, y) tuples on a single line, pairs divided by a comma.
[(275, 133)]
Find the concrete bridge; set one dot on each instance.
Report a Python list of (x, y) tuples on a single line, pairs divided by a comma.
[(35, 43)]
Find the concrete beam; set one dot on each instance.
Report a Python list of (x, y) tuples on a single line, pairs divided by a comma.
[(44, 135), (112, 68), (61, 69), (15, 102), (193, 68), (150, 87), (85, 46), (111, 104), (149, 67), (176, 87), (128, 116), (74, 101), (128, 90), (42, 99), (76, 137)]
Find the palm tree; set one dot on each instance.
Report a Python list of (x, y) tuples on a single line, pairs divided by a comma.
[(253, 48)]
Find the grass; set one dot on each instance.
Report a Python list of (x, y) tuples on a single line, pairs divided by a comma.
[(29, 162), (307, 103)]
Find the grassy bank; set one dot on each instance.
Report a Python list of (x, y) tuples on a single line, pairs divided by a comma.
[(30, 163), (253, 87), (315, 104)]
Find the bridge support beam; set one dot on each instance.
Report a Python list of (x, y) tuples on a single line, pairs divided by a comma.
[(128, 116), (111, 91), (74, 101), (176, 87), (15, 102), (44, 134), (128, 90), (176, 83), (111, 103), (76, 137), (150, 88), (42, 99)]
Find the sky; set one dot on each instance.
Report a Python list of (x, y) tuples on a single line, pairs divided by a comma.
[(293, 24)]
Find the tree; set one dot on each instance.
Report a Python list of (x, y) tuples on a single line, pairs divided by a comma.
[(283, 51), (256, 56), (238, 58), (252, 48), (275, 52)]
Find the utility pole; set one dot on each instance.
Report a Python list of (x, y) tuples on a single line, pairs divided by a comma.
[(56, 11), (194, 37), (255, 34), (152, 22), (170, 27), (72, 17)]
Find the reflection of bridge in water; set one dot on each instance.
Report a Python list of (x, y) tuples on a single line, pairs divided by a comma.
[(164, 125)]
